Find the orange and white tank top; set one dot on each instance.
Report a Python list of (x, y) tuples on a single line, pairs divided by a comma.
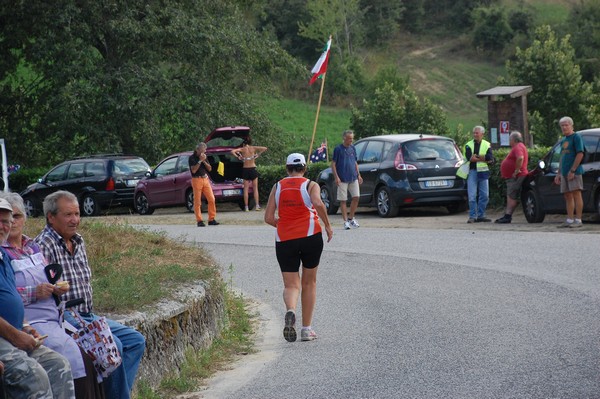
[(297, 216)]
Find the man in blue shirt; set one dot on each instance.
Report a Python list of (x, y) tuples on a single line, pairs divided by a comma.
[(31, 370), (347, 177), (570, 173)]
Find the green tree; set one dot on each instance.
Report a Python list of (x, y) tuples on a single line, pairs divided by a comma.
[(133, 76), (558, 90), (394, 110), (584, 21), (491, 31), (382, 19), (281, 18), (343, 19)]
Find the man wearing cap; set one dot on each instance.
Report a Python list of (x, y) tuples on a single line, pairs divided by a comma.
[(347, 177), (60, 243), (31, 370), (298, 240)]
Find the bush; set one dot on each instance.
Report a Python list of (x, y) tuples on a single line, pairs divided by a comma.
[(19, 181), (269, 175)]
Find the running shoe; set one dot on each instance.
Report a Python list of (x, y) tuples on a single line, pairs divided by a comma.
[(564, 225), (354, 224), (289, 332), (258, 208), (308, 334), (346, 225), (246, 209), (576, 224)]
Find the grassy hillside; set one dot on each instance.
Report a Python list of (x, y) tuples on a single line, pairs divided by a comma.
[(447, 71), (297, 119)]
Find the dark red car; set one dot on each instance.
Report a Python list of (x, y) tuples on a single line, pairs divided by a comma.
[(170, 183)]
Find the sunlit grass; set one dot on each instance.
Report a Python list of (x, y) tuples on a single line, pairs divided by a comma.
[(132, 268)]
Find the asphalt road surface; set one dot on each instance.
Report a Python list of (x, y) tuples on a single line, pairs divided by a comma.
[(421, 306)]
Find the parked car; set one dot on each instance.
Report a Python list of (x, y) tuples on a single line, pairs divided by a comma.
[(99, 182), (540, 196), (404, 170), (170, 183)]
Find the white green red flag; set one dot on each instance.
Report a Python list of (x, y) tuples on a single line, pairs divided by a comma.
[(321, 66)]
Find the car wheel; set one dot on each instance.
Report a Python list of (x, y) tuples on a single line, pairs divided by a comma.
[(89, 206), (327, 199), (598, 205), (532, 207), (456, 207), (385, 208), (141, 205), (30, 208), (189, 200)]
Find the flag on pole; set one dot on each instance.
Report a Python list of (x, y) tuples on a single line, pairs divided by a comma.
[(321, 66), (320, 154)]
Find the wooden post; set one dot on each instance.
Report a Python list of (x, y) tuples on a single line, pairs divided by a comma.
[(312, 140)]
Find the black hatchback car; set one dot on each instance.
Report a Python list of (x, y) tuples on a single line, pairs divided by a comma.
[(404, 170), (540, 196), (98, 181)]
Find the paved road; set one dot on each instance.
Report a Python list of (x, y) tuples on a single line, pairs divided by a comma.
[(404, 312)]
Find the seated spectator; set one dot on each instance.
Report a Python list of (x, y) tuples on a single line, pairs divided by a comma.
[(38, 294), (31, 370), (60, 243)]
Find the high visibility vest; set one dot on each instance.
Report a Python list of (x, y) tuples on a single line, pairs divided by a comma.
[(483, 149)]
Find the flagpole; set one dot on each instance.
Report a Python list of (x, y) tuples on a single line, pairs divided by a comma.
[(312, 140)]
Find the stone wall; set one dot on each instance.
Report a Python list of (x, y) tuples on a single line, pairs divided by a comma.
[(192, 319)]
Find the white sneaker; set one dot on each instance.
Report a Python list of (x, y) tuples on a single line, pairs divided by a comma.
[(308, 334), (354, 224), (346, 225)]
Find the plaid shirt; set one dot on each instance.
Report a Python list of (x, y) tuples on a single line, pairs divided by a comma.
[(76, 269)]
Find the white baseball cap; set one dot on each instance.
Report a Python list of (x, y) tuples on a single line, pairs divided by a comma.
[(5, 205), (296, 159)]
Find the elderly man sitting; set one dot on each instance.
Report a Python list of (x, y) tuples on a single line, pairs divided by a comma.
[(60, 243)]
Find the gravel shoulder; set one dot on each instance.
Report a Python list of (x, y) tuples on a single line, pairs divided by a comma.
[(413, 218)]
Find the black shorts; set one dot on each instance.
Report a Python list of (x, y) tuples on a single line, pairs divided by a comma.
[(249, 174), (306, 250)]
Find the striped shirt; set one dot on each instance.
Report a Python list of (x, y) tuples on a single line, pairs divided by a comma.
[(76, 269), (297, 216)]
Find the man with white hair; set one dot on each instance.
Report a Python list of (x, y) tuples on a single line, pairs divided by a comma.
[(478, 152), (570, 172), (61, 243), (31, 370)]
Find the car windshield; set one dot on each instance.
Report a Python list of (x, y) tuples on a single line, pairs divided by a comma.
[(133, 166), (430, 150)]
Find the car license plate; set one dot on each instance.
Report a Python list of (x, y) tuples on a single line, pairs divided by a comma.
[(132, 183), (437, 183), (228, 193)]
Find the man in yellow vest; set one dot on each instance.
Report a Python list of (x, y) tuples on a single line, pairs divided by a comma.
[(479, 153)]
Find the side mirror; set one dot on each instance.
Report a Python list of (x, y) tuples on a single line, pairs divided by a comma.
[(148, 174), (542, 164)]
